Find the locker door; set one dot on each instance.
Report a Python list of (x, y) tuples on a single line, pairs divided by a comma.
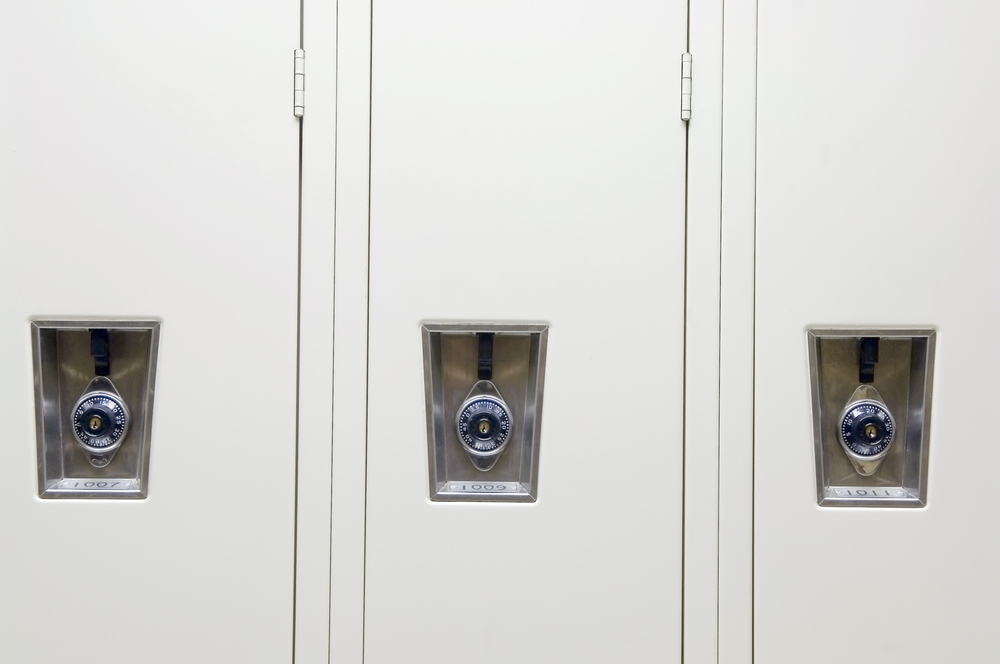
[(527, 166), (876, 205), (149, 169)]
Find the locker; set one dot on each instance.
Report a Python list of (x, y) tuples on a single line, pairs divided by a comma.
[(517, 169), (873, 207), (148, 177), (527, 169)]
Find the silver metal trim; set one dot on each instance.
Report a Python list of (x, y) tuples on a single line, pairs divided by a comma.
[(917, 417), (50, 431), (527, 426)]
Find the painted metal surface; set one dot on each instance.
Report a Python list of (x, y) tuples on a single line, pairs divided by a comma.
[(122, 193), (527, 164), (876, 205)]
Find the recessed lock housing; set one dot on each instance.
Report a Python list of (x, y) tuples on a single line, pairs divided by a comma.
[(871, 396), (483, 384), (93, 406)]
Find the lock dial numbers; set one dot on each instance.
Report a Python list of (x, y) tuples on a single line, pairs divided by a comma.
[(867, 429), (484, 424), (100, 421)]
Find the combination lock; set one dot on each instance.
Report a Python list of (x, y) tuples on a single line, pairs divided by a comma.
[(866, 429), (484, 424), (100, 421)]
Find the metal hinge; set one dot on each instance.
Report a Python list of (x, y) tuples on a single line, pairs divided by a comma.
[(685, 86), (300, 83)]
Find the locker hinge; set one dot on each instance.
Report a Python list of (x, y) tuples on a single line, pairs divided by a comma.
[(685, 86), (300, 83)]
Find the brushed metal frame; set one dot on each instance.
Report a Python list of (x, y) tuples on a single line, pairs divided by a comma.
[(911, 490), (448, 464), (57, 448)]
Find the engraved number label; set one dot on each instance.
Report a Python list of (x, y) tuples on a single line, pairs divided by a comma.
[(95, 485), (870, 493), (483, 487)]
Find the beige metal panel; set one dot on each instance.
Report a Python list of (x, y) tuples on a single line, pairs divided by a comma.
[(353, 42), (316, 313), (701, 375), (736, 336), (876, 205), (528, 165), (148, 168)]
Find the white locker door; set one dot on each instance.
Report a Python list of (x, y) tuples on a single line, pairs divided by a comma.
[(148, 168), (527, 165), (877, 205)]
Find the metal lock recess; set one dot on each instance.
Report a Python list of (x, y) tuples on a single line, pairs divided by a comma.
[(93, 406), (871, 398), (483, 388)]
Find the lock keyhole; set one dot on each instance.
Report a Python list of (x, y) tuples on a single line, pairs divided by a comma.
[(871, 431), (95, 423), (484, 427)]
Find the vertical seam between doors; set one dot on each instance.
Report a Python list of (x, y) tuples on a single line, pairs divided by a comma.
[(298, 380), (333, 383), (368, 327), (298, 386), (718, 386), (684, 365), (753, 361)]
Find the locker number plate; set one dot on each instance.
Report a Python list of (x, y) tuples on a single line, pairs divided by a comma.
[(867, 493), (483, 487), (95, 485)]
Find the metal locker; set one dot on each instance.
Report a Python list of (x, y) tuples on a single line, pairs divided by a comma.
[(872, 217), (149, 185), (526, 169)]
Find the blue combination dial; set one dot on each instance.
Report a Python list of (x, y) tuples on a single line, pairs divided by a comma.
[(867, 428), (484, 424), (100, 421)]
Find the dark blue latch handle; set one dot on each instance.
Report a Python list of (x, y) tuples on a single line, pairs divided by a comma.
[(100, 348), (868, 359), (486, 356)]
